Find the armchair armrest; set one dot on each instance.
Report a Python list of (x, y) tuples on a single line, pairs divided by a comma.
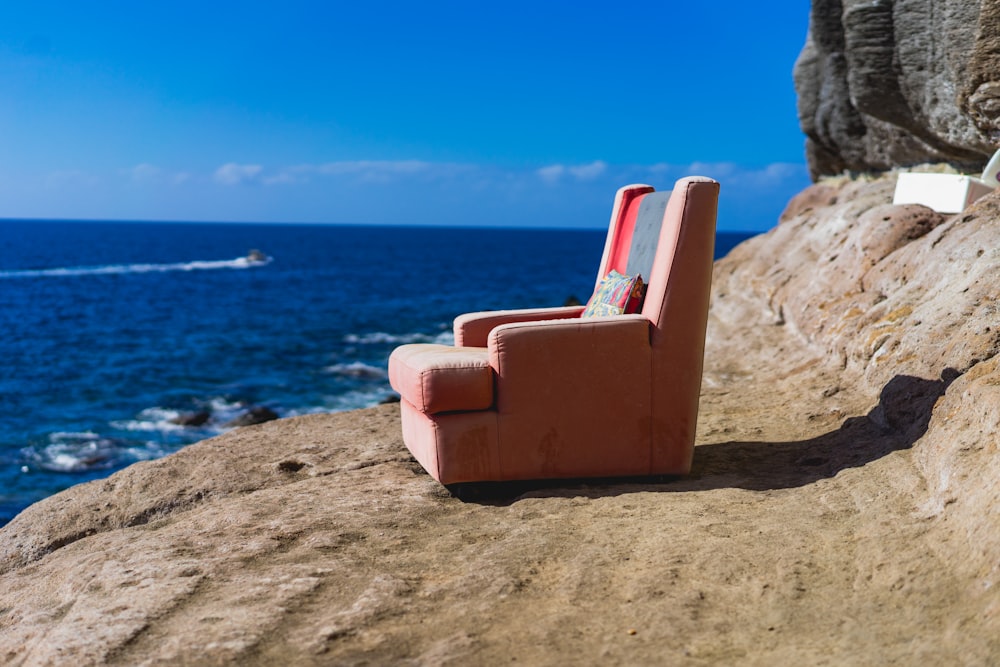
[(573, 397), (561, 359), (473, 329)]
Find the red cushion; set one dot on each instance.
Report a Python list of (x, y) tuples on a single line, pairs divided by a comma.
[(625, 228)]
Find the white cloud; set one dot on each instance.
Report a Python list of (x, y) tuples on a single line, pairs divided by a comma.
[(582, 172), (234, 174), (781, 171), (716, 170), (423, 192), (144, 173), (552, 173), (149, 174), (282, 178), (768, 175), (371, 171), (372, 167), (587, 172), (71, 178)]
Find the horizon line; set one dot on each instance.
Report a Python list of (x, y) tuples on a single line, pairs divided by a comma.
[(299, 223)]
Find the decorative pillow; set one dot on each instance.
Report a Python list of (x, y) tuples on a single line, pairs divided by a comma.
[(617, 294)]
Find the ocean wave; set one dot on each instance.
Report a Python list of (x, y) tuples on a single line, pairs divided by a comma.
[(169, 421), (151, 419), (359, 370), (157, 431), (383, 338), (208, 265), (75, 452), (348, 400)]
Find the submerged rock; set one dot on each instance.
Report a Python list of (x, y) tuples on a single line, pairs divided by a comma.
[(194, 419), (255, 415)]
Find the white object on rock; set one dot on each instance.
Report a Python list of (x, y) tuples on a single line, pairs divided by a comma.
[(947, 193), (991, 175)]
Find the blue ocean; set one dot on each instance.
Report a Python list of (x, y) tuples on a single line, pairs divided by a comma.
[(127, 341)]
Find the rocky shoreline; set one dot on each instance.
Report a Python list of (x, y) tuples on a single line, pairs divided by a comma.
[(843, 507)]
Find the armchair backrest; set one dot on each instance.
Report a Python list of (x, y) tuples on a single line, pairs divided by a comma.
[(621, 231), (669, 239)]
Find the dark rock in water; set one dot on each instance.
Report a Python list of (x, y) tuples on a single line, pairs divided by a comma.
[(890, 84), (194, 419), (255, 415), (93, 461), (571, 300), (392, 398)]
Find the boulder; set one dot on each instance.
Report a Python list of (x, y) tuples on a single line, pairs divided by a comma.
[(889, 83)]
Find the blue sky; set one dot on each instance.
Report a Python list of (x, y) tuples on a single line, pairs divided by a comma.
[(512, 113)]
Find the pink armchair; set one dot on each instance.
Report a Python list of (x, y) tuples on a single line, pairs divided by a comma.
[(546, 393)]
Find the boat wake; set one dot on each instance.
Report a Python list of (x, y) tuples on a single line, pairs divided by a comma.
[(252, 260)]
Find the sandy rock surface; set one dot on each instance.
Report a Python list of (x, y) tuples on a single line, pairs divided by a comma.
[(844, 506)]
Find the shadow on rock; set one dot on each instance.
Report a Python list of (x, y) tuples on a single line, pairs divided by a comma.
[(897, 422)]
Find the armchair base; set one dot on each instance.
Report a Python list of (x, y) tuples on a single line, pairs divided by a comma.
[(453, 447)]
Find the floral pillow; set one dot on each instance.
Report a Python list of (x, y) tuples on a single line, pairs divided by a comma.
[(616, 295)]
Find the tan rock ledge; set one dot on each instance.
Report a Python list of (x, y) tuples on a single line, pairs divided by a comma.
[(844, 507)]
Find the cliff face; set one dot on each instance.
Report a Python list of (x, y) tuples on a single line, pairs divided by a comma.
[(886, 83)]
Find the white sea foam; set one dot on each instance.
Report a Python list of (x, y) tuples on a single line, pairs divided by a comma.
[(382, 338), (62, 272), (68, 452), (148, 451), (165, 420), (354, 400), (359, 370), (151, 419), (72, 435), (350, 400), (224, 410), (73, 452)]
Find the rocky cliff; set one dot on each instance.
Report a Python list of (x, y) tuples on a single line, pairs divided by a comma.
[(844, 506), (885, 83)]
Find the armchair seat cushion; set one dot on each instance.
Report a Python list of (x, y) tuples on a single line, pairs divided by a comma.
[(442, 378)]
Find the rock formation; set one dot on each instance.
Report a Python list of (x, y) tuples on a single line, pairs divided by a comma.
[(844, 505), (193, 419), (255, 415), (887, 83)]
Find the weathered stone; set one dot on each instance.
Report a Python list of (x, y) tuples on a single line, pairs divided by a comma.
[(819, 195), (887, 83)]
